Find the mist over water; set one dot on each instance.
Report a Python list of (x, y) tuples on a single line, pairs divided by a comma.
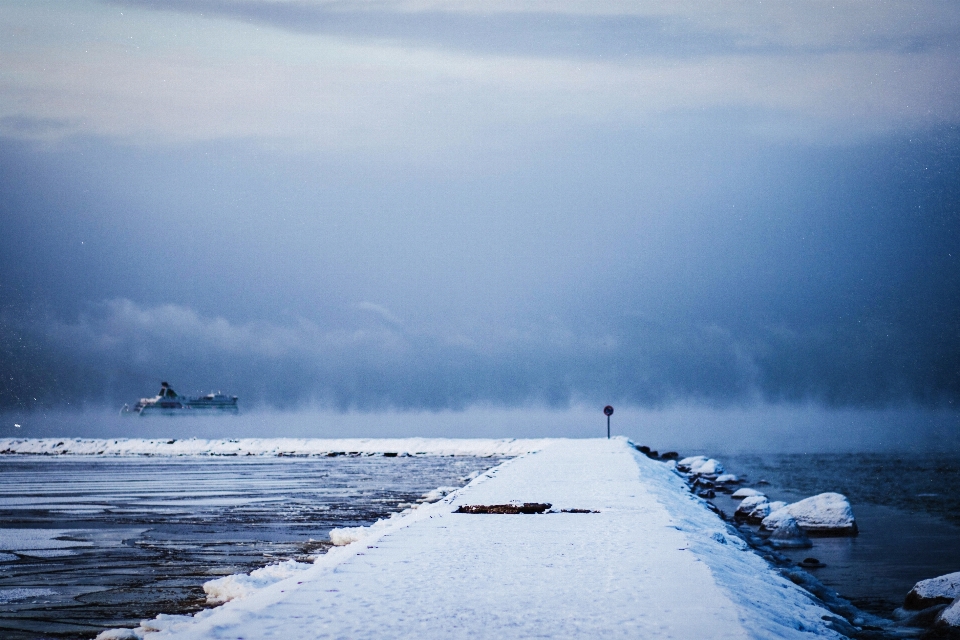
[(768, 428)]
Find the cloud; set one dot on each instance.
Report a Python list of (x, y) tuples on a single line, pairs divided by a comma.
[(415, 80), (381, 311), (600, 29), (118, 350)]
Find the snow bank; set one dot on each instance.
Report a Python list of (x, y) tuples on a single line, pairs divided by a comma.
[(941, 590), (240, 585), (271, 447), (347, 535), (824, 514)]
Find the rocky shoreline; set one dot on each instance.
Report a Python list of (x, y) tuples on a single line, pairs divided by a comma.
[(930, 610)]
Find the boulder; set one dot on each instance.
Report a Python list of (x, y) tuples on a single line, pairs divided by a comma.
[(776, 505), (710, 468), (750, 508), (688, 463), (826, 514), (926, 593), (728, 478), (950, 617), (789, 535), (740, 494), (701, 465)]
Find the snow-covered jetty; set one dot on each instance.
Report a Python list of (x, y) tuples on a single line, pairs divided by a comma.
[(640, 557)]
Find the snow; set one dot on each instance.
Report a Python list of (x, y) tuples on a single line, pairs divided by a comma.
[(753, 508), (951, 615), (41, 542), (701, 465), (13, 595), (653, 562), (776, 505), (269, 446), (789, 535), (727, 478), (826, 513), (237, 586), (942, 589), (745, 493)]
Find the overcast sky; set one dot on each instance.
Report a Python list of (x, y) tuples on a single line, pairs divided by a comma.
[(380, 205)]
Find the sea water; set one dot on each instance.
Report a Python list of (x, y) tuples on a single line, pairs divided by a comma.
[(93, 543), (907, 509)]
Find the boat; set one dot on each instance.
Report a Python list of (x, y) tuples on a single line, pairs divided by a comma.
[(169, 402)]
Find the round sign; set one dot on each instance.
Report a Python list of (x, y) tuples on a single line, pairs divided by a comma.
[(608, 410)]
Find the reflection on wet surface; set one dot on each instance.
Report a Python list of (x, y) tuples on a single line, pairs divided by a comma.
[(88, 544)]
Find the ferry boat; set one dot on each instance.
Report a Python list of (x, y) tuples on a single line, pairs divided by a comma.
[(169, 402)]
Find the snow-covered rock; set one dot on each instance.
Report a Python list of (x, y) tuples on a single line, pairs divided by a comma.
[(740, 494), (941, 590), (753, 509), (701, 465), (776, 505), (950, 617), (823, 514), (709, 468), (789, 535), (727, 478), (688, 463)]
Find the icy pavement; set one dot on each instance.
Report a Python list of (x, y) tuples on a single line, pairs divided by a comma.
[(653, 563)]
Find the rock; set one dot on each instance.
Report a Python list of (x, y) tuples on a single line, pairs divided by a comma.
[(811, 563), (789, 535), (701, 465), (751, 507), (739, 494), (926, 593), (643, 449), (670, 455), (758, 513), (728, 478), (709, 468), (950, 617), (826, 514), (688, 463), (776, 505)]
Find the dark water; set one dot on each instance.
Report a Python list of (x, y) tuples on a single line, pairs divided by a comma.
[(94, 543), (907, 509)]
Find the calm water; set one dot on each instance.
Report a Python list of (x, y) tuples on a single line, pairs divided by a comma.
[(94, 543), (907, 509)]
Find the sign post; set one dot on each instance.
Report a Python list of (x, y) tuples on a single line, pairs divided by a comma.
[(608, 411)]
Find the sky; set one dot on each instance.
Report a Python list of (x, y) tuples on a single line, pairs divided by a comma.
[(431, 209)]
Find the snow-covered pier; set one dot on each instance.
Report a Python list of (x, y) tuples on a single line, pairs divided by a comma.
[(646, 559)]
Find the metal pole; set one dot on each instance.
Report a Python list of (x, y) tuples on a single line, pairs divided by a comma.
[(608, 427)]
